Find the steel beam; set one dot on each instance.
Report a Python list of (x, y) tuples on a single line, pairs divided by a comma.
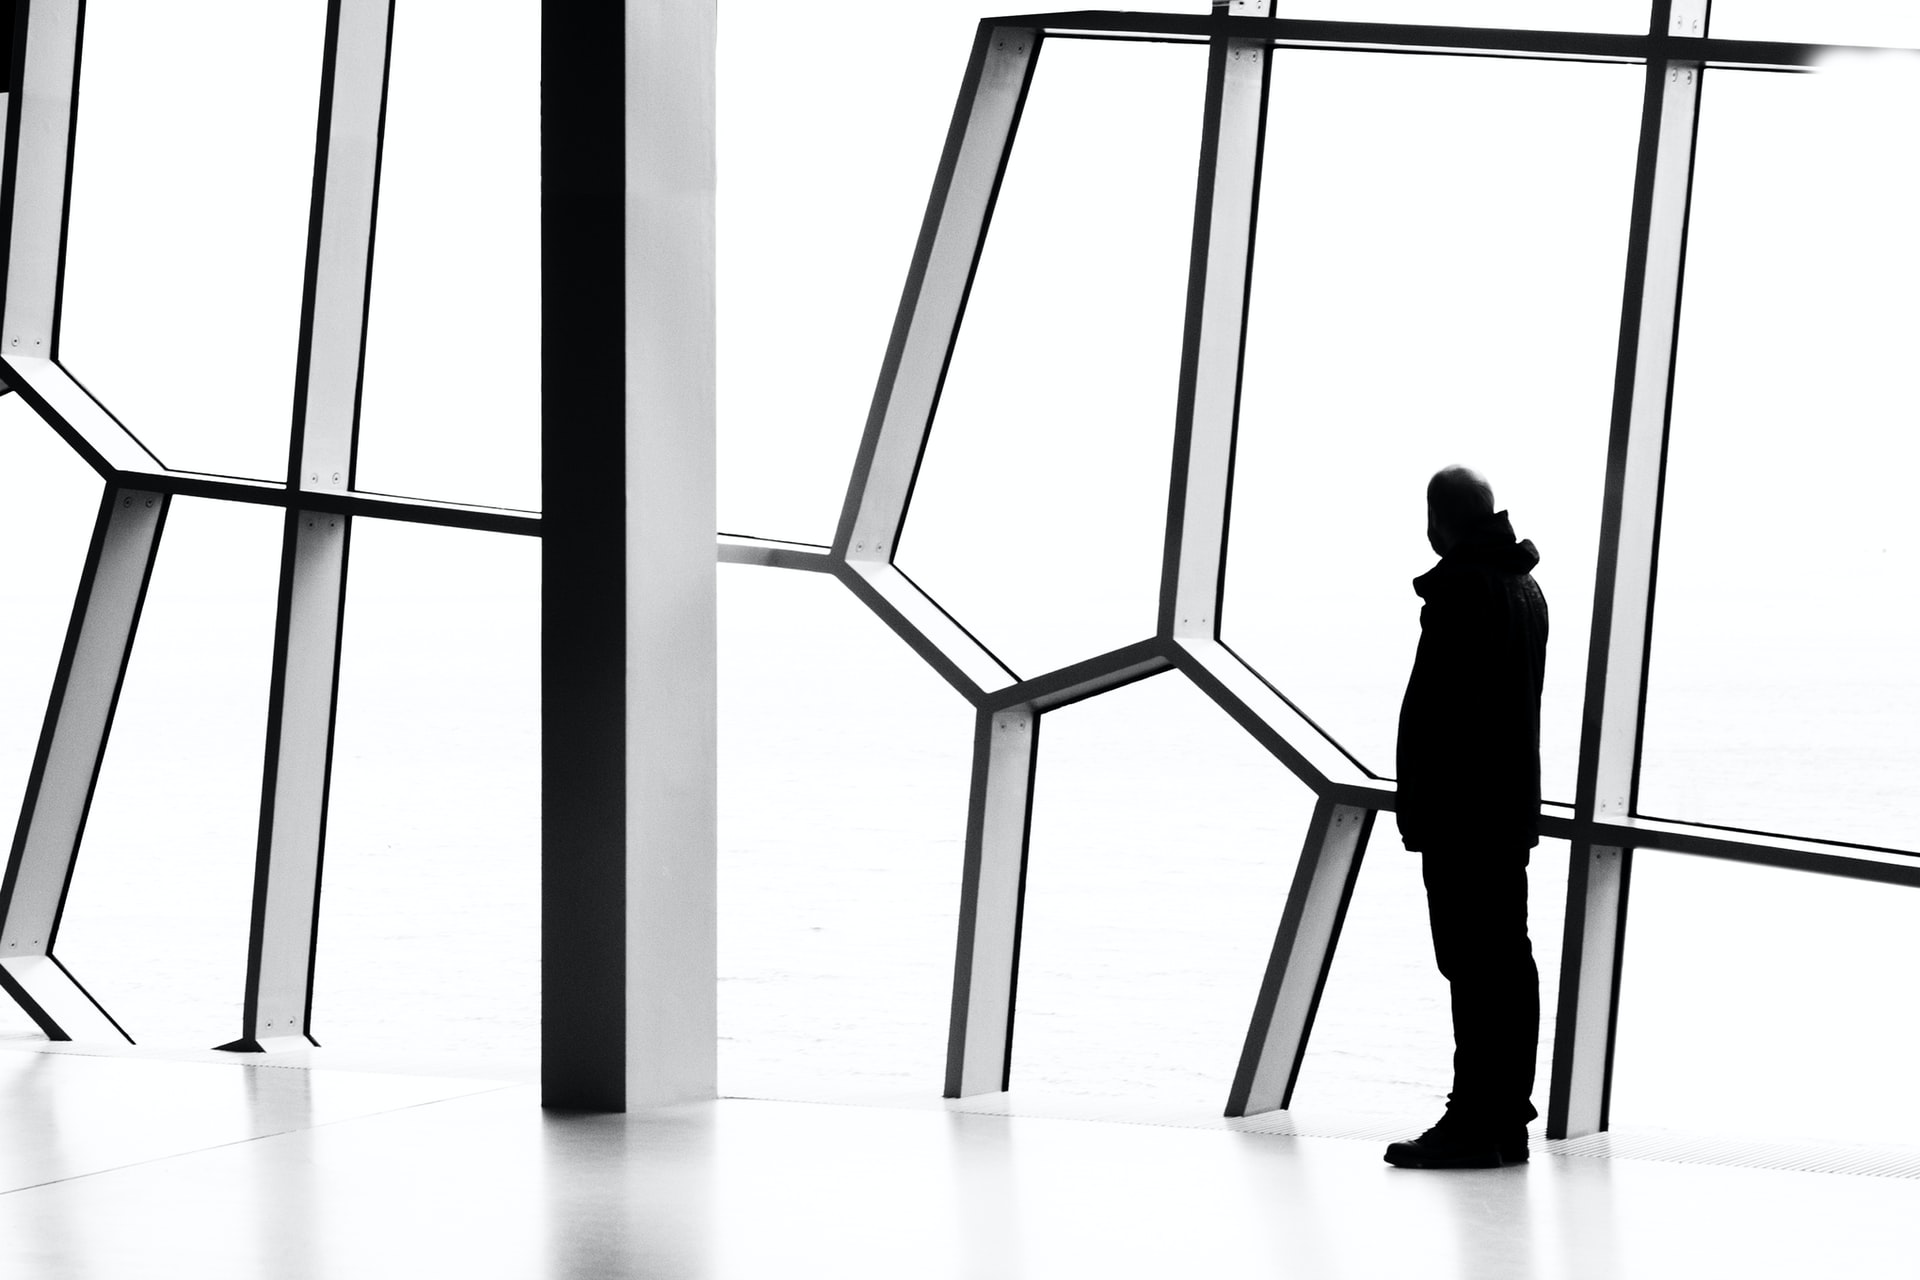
[(1302, 956), (33, 201), (1084, 680), (628, 752), (278, 1009), (1665, 42), (66, 765), (84, 423), (936, 635), (951, 236), (1248, 23), (1764, 849), (1193, 571), (774, 553), (1599, 872), (356, 502), (1279, 726), (993, 883), (304, 688), (1876, 864)]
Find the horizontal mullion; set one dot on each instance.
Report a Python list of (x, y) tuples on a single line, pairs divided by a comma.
[(1065, 33), (1389, 37), (1601, 45), (1757, 848), (1082, 680), (1830, 857), (1767, 55), (775, 553), (192, 484)]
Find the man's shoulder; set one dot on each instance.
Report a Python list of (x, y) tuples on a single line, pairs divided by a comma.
[(1460, 597), (1454, 579)]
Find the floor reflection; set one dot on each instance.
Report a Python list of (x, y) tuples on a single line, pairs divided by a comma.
[(123, 1167)]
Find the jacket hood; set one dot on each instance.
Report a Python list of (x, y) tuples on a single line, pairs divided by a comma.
[(1490, 545)]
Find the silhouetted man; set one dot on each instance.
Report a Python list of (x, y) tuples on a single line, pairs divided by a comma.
[(1469, 803)]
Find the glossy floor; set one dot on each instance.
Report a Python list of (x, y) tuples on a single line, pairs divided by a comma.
[(127, 1167)]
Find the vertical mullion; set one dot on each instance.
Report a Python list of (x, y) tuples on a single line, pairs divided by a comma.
[(1598, 876), (951, 236), (1303, 950), (1225, 206), (66, 765), (992, 892), (39, 145), (304, 688)]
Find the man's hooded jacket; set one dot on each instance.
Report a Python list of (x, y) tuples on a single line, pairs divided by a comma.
[(1469, 746)]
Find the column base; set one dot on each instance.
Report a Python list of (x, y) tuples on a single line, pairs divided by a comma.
[(268, 1044)]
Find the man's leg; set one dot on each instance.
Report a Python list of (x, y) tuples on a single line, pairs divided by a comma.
[(1477, 905)]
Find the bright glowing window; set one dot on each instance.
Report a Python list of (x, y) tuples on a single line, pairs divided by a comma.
[(1039, 513), (1452, 298), (187, 237), (1782, 693)]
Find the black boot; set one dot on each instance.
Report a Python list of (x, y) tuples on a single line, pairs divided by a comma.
[(1454, 1144)]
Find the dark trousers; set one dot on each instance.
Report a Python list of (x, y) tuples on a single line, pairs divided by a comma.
[(1477, 904)]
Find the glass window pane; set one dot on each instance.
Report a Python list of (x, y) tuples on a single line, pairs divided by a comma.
[(824, 179), (1038, 515), (451, 404), (1782, 693), (156, 922), (1872, 22), (844, 767), (430, 915), (187, 240), (1164, 841), (1767, 1004), (1430, 287), (815, 239), (50, 508), (51, 504)]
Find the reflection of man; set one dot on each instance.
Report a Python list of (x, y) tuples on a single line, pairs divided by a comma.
[(1469, 803)]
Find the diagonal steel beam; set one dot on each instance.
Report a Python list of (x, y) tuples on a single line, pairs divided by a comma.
[(955, 228), (1086, 679), (936, 635), (66, 765), (1599, 872), (1302, 957), (87, 426), (303, 693)]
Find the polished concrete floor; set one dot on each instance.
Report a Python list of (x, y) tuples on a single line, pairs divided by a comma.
[(133, 1167)]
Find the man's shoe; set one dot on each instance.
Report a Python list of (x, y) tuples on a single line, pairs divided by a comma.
[(1452, 1146), (1513, 1150)]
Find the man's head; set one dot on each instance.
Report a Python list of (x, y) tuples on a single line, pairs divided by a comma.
[(1457, 499)]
